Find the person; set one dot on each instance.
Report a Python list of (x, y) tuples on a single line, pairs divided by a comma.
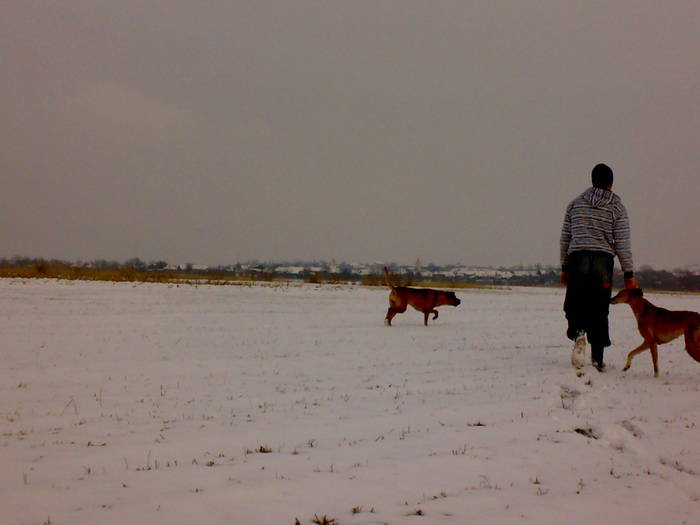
[(595, 230)]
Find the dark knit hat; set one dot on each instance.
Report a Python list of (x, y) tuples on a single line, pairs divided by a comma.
[(602, 176)]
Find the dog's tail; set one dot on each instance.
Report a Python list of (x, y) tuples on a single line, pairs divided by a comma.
[(692, 340), (386, 278)]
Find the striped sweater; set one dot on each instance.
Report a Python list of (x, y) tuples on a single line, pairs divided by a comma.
[(597, 221)]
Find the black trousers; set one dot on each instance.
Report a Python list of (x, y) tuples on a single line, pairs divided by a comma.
[(588, 293)]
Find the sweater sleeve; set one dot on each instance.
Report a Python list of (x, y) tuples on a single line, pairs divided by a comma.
[(565, 239), (623, 240)]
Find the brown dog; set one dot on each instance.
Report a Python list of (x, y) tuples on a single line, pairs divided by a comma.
[(422, 299), (659, 326)]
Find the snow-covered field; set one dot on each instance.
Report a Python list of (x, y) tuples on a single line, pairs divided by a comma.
[(254, 405)]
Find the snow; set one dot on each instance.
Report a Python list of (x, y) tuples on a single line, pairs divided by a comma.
[(152, 403)]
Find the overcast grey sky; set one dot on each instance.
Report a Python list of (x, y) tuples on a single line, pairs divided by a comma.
[(454, 131)]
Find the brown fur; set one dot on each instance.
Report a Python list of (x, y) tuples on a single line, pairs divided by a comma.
[(422, 299), (658, 326)]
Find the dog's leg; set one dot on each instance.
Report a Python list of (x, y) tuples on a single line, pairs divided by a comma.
[(392, 311), (396, 306), (655, 357), (426, 314), (634, 352)]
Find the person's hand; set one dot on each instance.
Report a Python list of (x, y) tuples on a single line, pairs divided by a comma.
[(564, 278), (631, 283)]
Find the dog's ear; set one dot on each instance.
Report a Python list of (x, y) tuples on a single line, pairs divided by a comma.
[(636, 292)]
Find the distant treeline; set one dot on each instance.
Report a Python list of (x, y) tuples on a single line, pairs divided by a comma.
[(160, 271), (132, 270), (679, 280)]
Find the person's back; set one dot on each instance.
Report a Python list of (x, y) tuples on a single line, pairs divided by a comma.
[(597, 220)]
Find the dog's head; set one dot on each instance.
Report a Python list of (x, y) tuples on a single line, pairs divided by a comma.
[(624, 296), (452, 299)]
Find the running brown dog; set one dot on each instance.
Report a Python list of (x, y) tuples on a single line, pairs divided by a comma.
[(422, 299), (658, 326)]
